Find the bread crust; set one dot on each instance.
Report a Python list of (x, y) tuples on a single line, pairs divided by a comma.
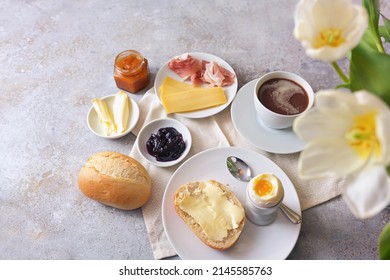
[(116, 180), (233, 234)]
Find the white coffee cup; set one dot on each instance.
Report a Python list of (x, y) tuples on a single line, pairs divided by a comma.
[(276, 120)]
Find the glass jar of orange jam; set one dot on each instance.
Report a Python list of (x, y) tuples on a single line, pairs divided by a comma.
[(131, 71)]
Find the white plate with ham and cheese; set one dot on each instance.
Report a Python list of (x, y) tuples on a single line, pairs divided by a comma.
[(195, 85)]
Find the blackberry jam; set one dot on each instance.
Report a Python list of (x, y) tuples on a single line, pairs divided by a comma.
[(166, 144)]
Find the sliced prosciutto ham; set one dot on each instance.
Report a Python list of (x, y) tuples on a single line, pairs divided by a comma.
[(213, 74), (197, 78), (185, 66), (201, 71), (229, 77)]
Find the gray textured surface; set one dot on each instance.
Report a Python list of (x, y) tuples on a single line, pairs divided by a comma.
[(57, 55)]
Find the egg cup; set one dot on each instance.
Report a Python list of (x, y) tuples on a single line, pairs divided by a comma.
[(263, 214)]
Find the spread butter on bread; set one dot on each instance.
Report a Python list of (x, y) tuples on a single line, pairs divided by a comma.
[(212, 211)]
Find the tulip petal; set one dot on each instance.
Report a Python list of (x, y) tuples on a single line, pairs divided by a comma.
[(383, 121), (328, 157), (364, 97), (315, 124), (328, 54), (332, 100), (368, 193)]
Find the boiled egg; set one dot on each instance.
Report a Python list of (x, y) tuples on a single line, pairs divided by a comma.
[(266, 190)]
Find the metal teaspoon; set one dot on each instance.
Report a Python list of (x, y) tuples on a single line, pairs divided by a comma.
[(241, 171)]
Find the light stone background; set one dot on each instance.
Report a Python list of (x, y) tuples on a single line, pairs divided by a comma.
[(57, 55)]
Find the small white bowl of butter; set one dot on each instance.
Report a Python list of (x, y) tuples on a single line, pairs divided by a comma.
[(96, 125)]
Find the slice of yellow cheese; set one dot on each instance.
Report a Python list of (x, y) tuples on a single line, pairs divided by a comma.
[(181, 97), (170, 83)]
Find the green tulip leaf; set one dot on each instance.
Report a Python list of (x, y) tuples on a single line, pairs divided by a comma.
[(384, 243), (372, 7), (384, 31), (367, 42), (370, 70)]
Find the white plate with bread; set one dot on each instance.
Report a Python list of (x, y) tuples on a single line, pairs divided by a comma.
[(272, 242)]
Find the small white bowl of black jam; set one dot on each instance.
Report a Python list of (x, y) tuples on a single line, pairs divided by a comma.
[(164, 142)]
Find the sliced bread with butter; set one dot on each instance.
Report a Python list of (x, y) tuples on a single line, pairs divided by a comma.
[(211, 211)]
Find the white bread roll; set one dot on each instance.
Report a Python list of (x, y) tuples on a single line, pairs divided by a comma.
[(116, 180), (194, 189)]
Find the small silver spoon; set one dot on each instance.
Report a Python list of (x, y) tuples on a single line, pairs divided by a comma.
[(241, 171)]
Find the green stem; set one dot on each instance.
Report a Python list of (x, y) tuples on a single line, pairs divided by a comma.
[(379, 46), (340, 72)]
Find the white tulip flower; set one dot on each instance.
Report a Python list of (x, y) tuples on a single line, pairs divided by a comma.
[(328, 30), (349, 134)]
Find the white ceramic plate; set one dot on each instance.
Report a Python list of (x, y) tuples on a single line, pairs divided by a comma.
[(230, 91), (244, 118), (95, 125), (153, 127), (274, 241)]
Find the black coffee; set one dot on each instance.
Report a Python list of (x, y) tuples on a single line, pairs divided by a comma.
[(283, 96)]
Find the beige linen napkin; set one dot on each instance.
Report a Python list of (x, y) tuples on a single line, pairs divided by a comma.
[(210, 132)]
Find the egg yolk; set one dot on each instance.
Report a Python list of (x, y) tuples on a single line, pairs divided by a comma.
[(263, 187)]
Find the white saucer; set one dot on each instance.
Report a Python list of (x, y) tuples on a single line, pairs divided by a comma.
[(244, 118)]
